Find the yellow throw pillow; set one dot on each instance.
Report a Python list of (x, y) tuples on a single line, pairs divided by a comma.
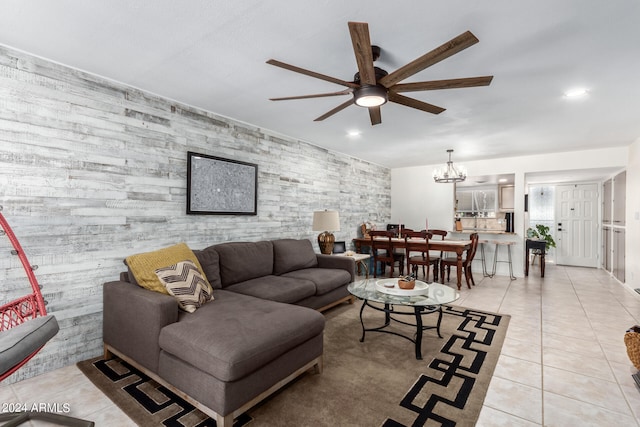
[(144, 266)]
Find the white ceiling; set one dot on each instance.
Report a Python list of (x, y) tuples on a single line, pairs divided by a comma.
[(211, 54)]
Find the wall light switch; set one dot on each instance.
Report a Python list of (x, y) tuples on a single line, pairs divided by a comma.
[(636, 216)]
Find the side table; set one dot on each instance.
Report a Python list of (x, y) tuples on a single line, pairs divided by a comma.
[(362, 261), (540, 245)]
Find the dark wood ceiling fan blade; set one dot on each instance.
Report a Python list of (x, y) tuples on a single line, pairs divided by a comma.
[(362, 49), (335, 110), (443, 84), (438, 54), (312, 74), (414, 103), (317, 95), (374, 114)]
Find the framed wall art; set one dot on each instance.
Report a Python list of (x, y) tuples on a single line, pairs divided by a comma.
[(218, 186)]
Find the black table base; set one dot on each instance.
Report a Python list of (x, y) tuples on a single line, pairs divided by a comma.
[(390, 312)]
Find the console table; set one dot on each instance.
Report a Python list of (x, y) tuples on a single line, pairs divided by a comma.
[(540, 245)]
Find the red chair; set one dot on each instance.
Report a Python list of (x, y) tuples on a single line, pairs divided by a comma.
[(25, 328)]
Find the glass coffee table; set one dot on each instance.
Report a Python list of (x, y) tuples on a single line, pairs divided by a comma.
[(393, 302)]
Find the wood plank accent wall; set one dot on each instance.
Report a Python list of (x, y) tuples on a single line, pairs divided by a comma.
[(92, 171)]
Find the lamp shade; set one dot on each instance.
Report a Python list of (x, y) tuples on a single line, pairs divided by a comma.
[(326, 221)]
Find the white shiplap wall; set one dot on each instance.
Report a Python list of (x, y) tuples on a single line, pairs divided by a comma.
[(92, 171)]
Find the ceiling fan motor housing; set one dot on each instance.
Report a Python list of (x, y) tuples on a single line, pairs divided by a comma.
[(379, 72)]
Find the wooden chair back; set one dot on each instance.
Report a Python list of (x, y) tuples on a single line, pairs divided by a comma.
[(415, 245), (414, 234), (404, 232), (441, 233), (381, 240), (471, 253)]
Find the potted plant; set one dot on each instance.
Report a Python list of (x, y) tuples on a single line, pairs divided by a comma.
[(541, 232)]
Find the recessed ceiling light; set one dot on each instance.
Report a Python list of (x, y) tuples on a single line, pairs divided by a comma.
[(576, 93), (503, 180), (353, 133)]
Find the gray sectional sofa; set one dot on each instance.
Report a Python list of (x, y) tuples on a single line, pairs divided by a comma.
[(262, 329)]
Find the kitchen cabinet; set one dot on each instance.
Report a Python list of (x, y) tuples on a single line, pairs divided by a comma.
[(613, 225), (606, 248), (507, 198), (607, 201), (477, 200), (619, 198), (618, 254)]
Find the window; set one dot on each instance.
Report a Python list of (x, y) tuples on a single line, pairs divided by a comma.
[(542, 207)]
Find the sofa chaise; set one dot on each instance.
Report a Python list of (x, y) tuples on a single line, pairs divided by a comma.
[(262, 329)]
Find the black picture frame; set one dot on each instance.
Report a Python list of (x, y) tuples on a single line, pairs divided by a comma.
[(220, 186)]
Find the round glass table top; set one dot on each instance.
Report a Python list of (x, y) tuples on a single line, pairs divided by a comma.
[(435, 293)]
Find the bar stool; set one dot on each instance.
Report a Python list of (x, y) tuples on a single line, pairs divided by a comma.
[(498, 243)]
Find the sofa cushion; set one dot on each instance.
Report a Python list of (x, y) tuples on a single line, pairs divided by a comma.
[(144, 265), (276, 288), (324, 279), (245, 333), (240, 261), (186, 284), (210, 262), (292, 254)]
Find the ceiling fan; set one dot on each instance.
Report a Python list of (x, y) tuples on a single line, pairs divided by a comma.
[(373, 86)]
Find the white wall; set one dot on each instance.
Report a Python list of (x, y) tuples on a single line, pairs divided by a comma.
[(632, 220), (415, 196)]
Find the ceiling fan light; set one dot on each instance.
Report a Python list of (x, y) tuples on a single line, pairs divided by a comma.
[(370, 96)]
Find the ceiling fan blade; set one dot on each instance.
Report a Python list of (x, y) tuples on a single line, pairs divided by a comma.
[(438, 54), (317, 95), (443, 84), (374, 114), (414, 103), (312, 74), (362, 49), (335, 110)]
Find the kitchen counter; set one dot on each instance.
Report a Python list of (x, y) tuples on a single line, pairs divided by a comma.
[(481, 231)]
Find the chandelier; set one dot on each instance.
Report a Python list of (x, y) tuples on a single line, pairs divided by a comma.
[(450, 173)]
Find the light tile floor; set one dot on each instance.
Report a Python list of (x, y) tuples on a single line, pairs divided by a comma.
[(563, 362)]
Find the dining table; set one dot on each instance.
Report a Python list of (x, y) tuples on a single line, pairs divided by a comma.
[(456, 246)]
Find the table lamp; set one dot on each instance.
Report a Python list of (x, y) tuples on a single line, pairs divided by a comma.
[(326, 221)]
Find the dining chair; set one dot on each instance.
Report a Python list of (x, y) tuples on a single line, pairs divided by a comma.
[(405, 231), (25, 327), (448, 262), (418, 242), (437, 256), (382, 248)]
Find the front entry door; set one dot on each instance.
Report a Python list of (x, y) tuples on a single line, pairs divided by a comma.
[(577, 225)]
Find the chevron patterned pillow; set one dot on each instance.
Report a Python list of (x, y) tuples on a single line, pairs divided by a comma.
[(184, 281)]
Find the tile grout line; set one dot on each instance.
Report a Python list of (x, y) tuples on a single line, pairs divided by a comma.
[(541, 307), (626, 400)]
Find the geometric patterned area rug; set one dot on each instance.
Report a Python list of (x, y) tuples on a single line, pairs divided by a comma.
[(377, 382)]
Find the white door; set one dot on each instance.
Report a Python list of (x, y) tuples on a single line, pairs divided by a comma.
[(577, 225)]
